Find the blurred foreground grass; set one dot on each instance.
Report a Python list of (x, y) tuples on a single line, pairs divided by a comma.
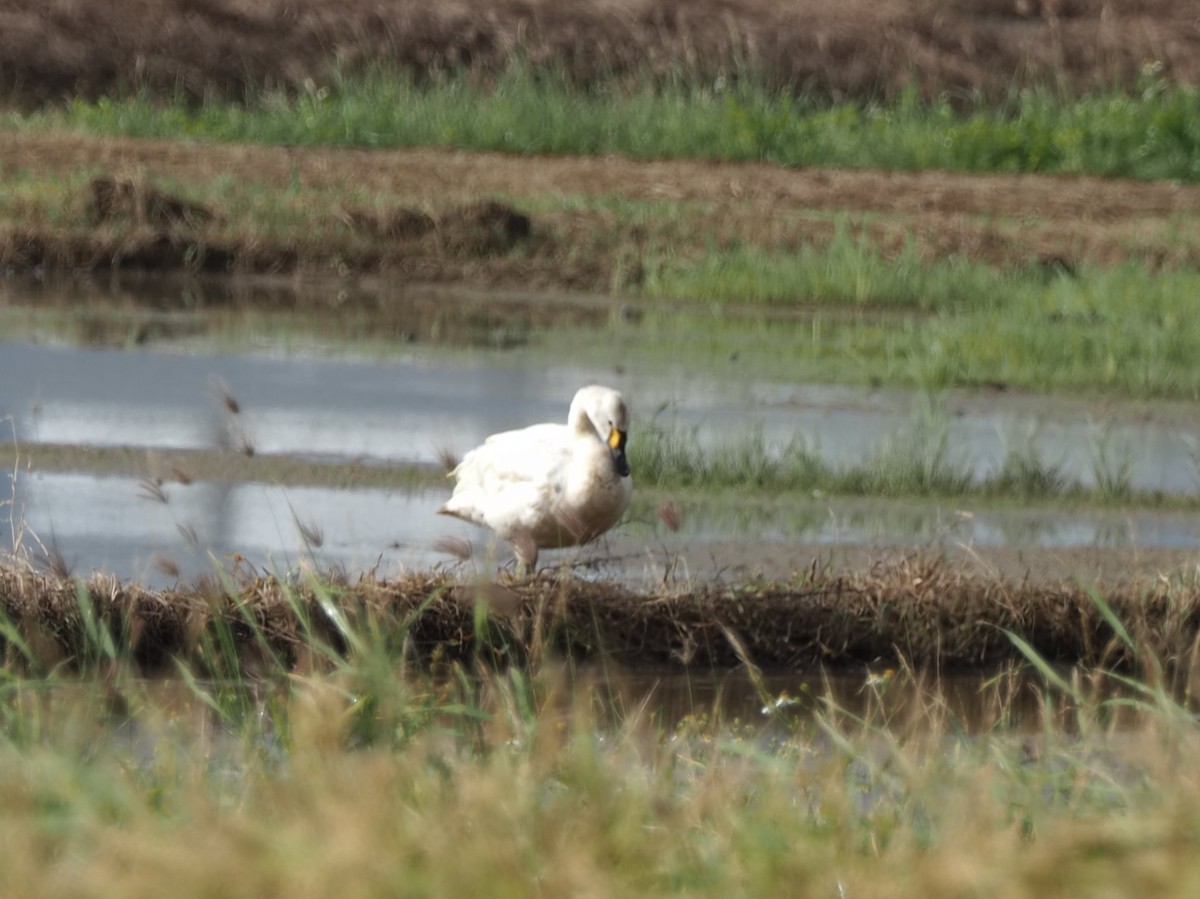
[(359, 773)]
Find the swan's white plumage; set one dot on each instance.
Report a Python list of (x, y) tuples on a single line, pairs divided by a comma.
[(550, 485)]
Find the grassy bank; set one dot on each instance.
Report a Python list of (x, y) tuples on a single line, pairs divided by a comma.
[(362, 771), (510, 797), (870, 318), (1152, 134)]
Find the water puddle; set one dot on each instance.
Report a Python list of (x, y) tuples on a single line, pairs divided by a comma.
[(132, 309)]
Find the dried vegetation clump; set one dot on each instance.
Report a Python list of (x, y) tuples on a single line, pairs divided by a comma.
[(118, 200), (53, 49), (918, 612), (487, 228), (134, 225)]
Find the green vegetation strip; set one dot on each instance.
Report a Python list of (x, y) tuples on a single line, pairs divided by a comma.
[(917, 460), (951, 323), (1152, 134), (308, 746)]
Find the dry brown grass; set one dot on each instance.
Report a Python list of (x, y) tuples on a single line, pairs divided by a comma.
[(202, 48), (919, 612)]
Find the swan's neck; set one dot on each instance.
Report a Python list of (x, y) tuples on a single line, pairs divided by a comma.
[(580, 422)]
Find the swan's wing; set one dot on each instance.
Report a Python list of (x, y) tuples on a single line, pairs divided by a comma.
[(509, 482), (530, 455)]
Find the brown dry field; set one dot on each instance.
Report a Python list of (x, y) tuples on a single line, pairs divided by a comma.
[(53, 49), (443, 227), (435, 233)]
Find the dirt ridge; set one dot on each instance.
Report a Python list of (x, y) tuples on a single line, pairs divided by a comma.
[(918, 612)]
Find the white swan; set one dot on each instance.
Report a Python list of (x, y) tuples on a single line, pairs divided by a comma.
[(550, 485)]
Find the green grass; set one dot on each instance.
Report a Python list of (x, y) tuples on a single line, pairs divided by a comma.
[(1154, 134), (1117, 331), (365, 776), (848, 272), (916, 460)]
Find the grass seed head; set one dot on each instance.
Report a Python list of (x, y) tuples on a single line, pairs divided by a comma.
[(571, 523), (190, 537), (311, 534), (151, 489), (458, 547), (165, 565), (228, 400), (525, 548), (447, 459), (671, 515), (52, 560)]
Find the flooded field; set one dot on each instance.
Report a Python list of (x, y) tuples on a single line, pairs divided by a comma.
[(111, 523), (406, 410), (392, 416)]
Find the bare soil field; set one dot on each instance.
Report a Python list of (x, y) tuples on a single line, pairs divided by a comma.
[(56, 49)]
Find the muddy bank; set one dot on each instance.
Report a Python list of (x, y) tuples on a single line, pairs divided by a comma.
[(916, 611), (56, 49)]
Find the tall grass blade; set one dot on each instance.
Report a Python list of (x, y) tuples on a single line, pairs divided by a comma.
[(96, 634), (1107, 613), (11, 635), (193, 685), (336, 616), (1044, 668)]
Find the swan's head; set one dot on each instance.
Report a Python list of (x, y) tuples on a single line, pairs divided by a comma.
[(602, 411)]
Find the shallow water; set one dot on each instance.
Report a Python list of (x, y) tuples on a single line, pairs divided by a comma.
[(406, 409), (111, 524)]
